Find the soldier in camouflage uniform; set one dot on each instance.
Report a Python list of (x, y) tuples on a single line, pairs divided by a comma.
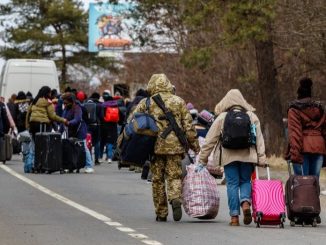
[(168, 152)]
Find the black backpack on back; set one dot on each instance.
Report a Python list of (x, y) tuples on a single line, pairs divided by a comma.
[(236, 130), (90, 107)]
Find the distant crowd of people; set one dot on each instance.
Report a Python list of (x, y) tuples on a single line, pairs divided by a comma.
[(104, 116)]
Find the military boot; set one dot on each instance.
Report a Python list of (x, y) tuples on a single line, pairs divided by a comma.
[(176, 208)]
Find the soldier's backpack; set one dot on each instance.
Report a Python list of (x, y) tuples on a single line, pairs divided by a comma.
[(236, 133), (139, 137), (90, 107), (111, 114)]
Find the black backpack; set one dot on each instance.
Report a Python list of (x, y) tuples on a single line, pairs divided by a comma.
[(91, 111), (84, 114), (236, 130)]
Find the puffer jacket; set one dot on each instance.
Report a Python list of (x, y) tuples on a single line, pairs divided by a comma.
[(235, 100), (42, 112), (159, 84), (307, 129)]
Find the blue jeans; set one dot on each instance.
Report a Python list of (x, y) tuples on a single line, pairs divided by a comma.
[(28, 157), (238, 178), (110, 148), (312, 164), (89, 162)]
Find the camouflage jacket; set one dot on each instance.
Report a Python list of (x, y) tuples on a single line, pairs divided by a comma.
[(159, 83)]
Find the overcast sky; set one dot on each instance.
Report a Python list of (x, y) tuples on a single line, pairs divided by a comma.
[(86, 2)]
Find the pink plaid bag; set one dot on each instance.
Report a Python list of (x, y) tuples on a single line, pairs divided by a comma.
[(199, 194)]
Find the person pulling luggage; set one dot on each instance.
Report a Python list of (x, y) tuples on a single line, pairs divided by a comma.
[(77, 128), (40, 112), (237, 149), (307, 131), (169, 151)]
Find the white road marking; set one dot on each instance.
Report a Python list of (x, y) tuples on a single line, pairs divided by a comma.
[(141, 237), (150, 242), (113, 223), (125, 229), (138, 236)]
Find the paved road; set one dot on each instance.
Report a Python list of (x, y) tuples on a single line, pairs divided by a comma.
[(115, 207)]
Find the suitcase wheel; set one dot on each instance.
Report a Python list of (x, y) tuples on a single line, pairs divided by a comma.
[(283, 216), (315, 222), (259, 217), (292, 223)]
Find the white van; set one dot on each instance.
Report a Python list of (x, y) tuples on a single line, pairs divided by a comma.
[(27, 75)]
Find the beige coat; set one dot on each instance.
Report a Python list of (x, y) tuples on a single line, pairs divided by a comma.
[(235, 99)]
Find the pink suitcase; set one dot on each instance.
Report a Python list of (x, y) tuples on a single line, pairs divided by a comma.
[(268, 202)]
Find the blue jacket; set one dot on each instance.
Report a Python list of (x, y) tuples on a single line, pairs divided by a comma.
[(77, 127)]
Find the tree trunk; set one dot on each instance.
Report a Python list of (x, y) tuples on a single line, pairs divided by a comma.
[(272, 125), (64, 65)]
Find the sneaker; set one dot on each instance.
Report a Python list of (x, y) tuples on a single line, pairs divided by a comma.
[(89, 170), (109, 161), (176, 208), (97, 162)]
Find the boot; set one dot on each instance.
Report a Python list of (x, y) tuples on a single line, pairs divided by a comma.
[(247, 219), (176, 208), (234, 221), (160, 219)]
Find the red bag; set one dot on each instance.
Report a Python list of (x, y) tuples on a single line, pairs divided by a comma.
[(89, 142), (111, 114)]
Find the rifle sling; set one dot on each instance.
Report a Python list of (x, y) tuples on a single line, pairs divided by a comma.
[(172, 126)]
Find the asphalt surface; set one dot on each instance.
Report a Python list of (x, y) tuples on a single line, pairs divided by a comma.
[(31, 217)]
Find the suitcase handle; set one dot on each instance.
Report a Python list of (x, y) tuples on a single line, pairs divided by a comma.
[(290, 164), (263, 166), (41, 127)]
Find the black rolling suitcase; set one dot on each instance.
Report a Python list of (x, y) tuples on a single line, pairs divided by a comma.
[(3, 152), (74, 154), (302, 199), (48, 152), (5, 148)]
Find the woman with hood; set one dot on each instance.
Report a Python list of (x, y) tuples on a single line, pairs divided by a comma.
[(307, 131), (238, 163), (40, 116)]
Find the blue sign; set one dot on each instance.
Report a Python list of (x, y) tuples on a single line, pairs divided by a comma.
[(108, 27)]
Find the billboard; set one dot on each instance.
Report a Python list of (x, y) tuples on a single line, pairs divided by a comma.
[(108, 27)]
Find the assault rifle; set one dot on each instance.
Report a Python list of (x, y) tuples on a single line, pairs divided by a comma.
[(173, 125)]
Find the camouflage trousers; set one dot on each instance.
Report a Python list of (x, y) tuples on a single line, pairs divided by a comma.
[(166, 168)]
